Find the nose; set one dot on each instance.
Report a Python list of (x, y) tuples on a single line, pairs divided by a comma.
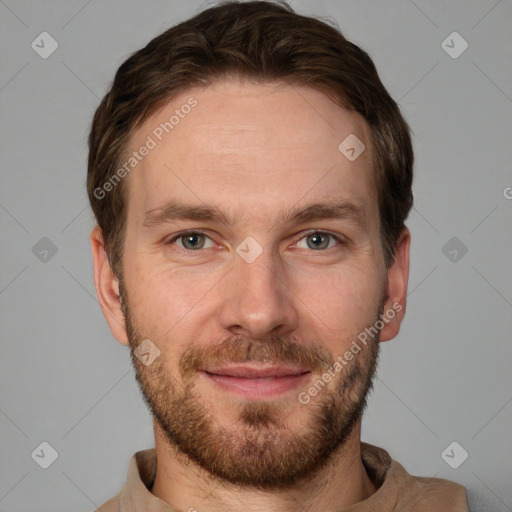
[(258, 300)]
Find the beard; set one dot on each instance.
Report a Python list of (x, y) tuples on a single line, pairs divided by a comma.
[(259, 450)]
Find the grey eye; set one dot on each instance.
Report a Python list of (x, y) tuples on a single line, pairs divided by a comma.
[(319, 240), (193, 241)]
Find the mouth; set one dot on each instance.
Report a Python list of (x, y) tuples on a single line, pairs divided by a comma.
[(252, 381)]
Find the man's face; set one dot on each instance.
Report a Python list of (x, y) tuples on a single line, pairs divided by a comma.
[(260, 287)]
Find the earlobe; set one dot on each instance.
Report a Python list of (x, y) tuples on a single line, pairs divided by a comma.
[(397, 281), (107, 288)]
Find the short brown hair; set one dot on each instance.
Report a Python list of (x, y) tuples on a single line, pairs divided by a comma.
[(264, 42)]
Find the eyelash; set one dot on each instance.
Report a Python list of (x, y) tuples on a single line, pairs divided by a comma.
[(309, 233)]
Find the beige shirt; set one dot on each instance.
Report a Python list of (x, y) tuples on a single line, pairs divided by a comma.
[(398, 490)]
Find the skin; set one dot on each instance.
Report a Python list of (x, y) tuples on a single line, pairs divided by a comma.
[(255, 151)]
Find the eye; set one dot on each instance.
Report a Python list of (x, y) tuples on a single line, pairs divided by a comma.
[(319, 240), (192, 240)]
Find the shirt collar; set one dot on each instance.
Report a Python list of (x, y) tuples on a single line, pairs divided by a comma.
[(142, 470)]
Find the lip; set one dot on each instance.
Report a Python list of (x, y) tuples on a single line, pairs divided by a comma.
[(256, 381), (255, 372)]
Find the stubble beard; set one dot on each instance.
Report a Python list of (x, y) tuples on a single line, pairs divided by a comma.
[(259, 450)]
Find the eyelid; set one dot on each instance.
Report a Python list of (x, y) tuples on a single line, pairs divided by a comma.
[(181, 234), (339, 238)]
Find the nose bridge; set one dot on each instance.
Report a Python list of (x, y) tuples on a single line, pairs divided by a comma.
[(259, 279), (257, 300)]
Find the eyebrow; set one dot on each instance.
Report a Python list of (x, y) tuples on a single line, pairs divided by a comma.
[(338, 210)]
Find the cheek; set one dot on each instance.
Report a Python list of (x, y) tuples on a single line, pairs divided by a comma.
[(344, 299), (163, 297)]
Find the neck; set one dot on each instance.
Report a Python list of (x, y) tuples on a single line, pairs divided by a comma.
[(185, 486)]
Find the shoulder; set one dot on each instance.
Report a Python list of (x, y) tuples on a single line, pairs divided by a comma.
[(400, 490), (112, 505), (422, 494)]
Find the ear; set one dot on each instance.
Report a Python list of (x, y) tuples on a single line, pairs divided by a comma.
[(397, 280), (107, 288)]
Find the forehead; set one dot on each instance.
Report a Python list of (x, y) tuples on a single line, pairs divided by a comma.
[(250, 149)]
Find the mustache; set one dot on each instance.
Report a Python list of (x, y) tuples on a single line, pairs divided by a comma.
[(274, 349)]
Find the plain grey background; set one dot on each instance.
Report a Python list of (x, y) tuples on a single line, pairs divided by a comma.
[(66, 381)]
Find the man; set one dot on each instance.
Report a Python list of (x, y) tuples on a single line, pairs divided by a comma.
[(250, 177)]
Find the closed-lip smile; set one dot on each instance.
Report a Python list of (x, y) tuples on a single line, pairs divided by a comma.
[(257, 381)]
